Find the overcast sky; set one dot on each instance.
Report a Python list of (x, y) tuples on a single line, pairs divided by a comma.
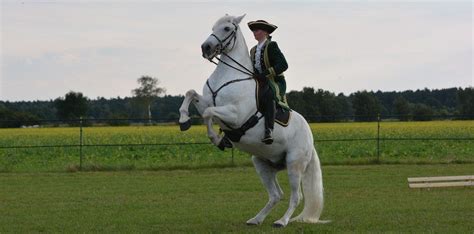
[(100, 48)]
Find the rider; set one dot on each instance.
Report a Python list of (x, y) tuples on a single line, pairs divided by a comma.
[(269, 64)]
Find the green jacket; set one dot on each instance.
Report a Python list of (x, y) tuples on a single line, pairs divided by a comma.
[(273, 65)]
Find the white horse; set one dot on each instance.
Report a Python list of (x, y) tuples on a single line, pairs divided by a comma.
[(229, 100)]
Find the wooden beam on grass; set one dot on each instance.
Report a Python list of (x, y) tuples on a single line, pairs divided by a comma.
[(441, 181)]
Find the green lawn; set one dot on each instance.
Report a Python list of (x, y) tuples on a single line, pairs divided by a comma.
[(372, 198)]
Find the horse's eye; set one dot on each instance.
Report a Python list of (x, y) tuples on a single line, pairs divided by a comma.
[(226, 29)]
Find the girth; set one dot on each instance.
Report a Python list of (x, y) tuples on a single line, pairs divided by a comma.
[(235, 134)]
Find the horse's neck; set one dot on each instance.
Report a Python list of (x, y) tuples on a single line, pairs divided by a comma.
[(239, 53), (224, 74)]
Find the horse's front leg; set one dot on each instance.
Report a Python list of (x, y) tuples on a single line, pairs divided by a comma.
[(226, 113), (191, 97)]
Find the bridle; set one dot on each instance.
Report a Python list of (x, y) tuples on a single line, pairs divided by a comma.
[(232, 36), (221, 47)]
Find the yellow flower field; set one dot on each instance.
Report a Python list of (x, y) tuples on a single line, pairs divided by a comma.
[(167, 147)]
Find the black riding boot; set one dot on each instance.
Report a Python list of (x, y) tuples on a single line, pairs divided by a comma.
[(267, 107), (269, 115)]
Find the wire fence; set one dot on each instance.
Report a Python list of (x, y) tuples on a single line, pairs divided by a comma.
[(82, 123)]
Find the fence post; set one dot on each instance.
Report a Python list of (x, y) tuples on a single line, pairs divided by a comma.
[(80, 144), (378, 138), (232, 155)]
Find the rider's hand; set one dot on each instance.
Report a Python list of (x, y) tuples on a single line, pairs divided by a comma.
[(260, 77)]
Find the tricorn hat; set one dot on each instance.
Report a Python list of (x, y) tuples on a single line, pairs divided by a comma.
[(263, 25)]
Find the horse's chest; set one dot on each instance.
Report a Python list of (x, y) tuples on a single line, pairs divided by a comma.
[(225, 95)]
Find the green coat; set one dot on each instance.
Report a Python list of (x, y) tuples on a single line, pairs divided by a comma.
[(273, 65)]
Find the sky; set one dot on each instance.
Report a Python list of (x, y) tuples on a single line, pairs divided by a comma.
[(101, 47)]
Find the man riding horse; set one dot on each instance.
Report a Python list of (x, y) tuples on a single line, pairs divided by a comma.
[(229, 100), (269, 64)]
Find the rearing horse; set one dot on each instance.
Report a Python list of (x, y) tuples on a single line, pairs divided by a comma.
[(229, 99)]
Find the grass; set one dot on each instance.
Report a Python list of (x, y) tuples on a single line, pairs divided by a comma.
[(372, 198), (206, 155)]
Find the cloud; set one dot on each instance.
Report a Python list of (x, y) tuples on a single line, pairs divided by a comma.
[(100, 48), (380, 47)]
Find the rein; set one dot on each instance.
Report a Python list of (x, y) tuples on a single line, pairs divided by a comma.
[(247, 71)]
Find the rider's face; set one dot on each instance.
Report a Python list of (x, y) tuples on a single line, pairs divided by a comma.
[(259, 34)]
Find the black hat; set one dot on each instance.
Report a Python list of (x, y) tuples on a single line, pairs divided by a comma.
[(263, 25)]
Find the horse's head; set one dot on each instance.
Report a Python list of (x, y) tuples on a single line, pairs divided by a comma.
[(223, 36)]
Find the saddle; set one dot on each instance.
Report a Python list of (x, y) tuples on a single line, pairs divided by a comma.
[(282, 116)]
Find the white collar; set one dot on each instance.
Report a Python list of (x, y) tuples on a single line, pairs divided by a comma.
[(260, 44)]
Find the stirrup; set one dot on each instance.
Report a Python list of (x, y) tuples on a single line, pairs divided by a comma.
[(268, 139)]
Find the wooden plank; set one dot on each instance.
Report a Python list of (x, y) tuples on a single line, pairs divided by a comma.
[(443, 184), (441, 178)]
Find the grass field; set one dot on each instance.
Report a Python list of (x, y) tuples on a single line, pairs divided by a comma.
[(372, 198), (191, 156)]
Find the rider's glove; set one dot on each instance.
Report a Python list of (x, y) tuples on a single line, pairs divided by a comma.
[(260, 77)]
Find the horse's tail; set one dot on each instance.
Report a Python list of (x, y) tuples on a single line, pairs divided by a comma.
[(313, 192)]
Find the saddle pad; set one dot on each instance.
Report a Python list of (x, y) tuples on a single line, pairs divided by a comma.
[(282, 116)]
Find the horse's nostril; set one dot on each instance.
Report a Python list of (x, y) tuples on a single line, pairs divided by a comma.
[(206, 48)]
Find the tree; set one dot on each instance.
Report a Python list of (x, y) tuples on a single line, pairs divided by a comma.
[(147, 91), (302, 102), (73, 106), (466, 101), (422, 112), (345, 107), (401, 108), (366, 106), (319, 105), (15, 119)]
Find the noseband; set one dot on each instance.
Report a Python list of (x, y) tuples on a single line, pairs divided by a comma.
[(221, 50)]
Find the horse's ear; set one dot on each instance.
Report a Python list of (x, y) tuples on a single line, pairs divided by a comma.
[(238, 19)]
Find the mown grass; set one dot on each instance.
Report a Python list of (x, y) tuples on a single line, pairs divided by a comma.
[(372, 198), (152, 157)]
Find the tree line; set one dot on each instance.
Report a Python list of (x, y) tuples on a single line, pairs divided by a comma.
[(322, 105), (315, 104)]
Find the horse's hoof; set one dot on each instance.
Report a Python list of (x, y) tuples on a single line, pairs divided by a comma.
[(278, 225), (225, 143), (221, 146), (253, 222), (185, 126)]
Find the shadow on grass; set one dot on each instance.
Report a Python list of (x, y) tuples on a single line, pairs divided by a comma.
[(131, 167)]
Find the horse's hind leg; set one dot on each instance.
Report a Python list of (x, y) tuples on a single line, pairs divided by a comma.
[(296, 164), (267, 174), (191, 97)]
